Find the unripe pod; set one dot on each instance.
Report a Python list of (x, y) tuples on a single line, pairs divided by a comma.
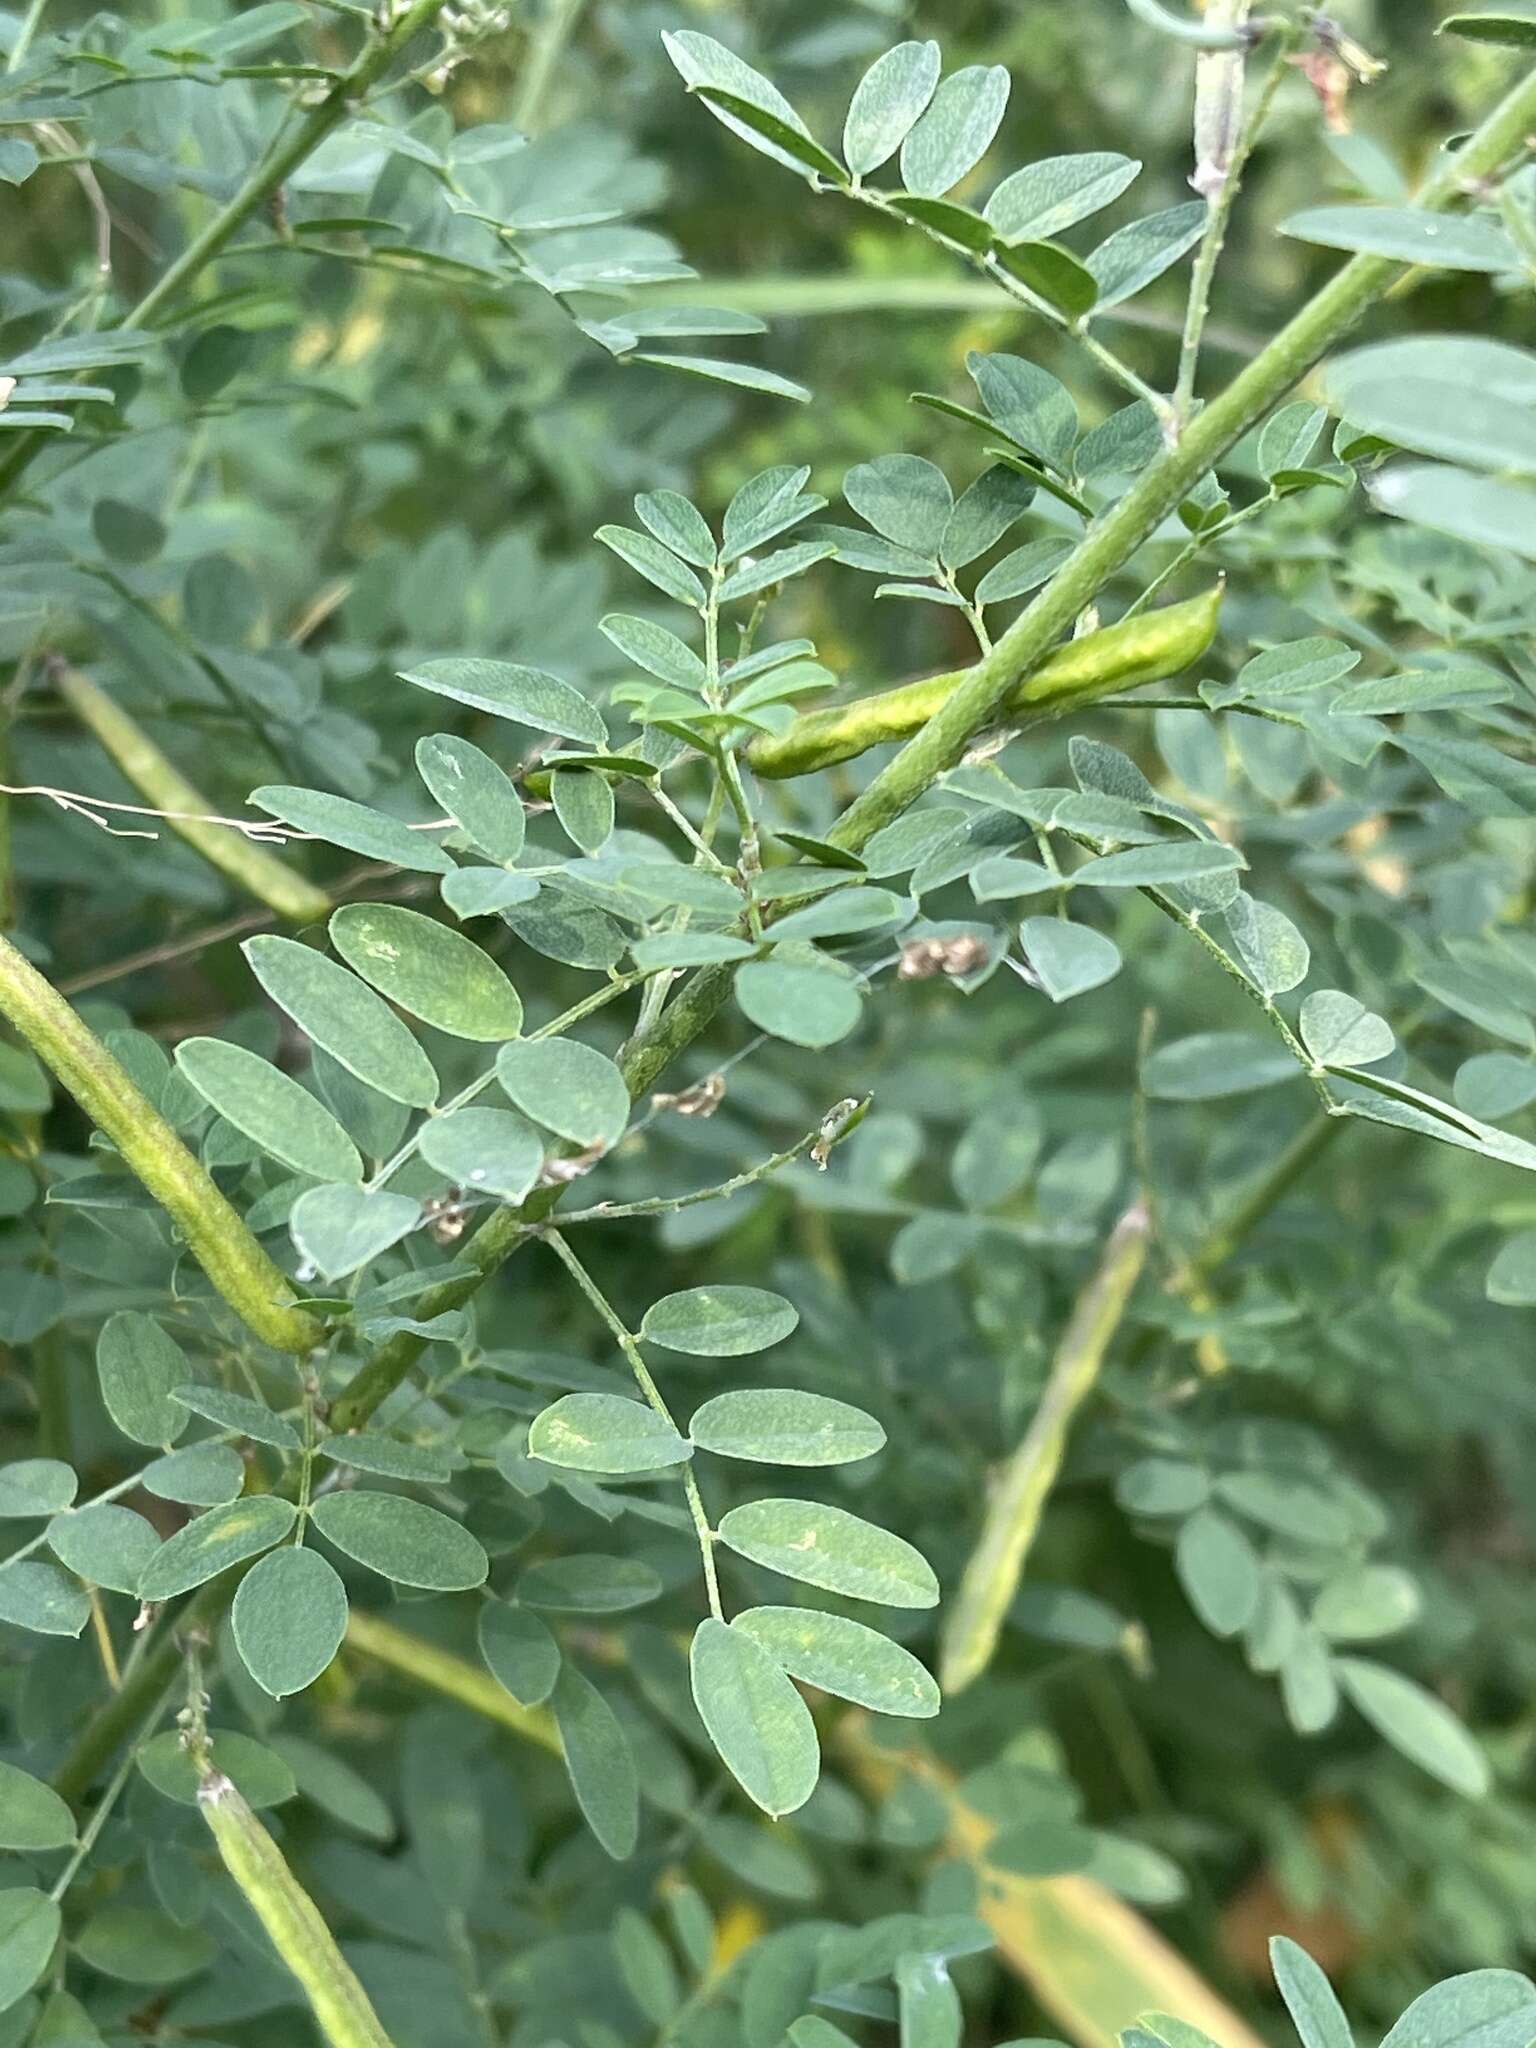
[(1141, 650), (293, 1922)]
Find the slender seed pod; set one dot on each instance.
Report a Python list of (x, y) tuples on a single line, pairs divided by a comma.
[(253, 868), (1141, 650), (293, 1922), (259, 1292)]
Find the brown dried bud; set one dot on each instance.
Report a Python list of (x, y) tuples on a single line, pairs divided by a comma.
[(922, 959), (702, 1099)]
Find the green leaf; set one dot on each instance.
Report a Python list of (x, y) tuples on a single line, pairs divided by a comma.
[(485, 1151), (826, 1546), (605, 1433), (678, 525), (1366, 1602), (525, 696), (1289, 437), (1421, 1727), (1433, 689), (1479, 509), (1170, 862), (1338, 1031), (289, 1617), (274, 1112), (600, 1762), (477, 794), (105, 1545), (1212, 1064), (32, 1815), (402, 1540), (482, 892), (811, 1006), (656, 563), (344, 1017), (259, 1774), (1309, 1997), (955, 131), (339, 1228), (519, 1652), (904, 498), (215, 1541), (782, 1426), (887, 103), (372, 1451), (39, 1597), (1053, 274), (1067, 959), (1490, 783), (36, 1487), (428, 969), (332, 1785), (755, 1718), (1023, 570), (1162, 1486), (1467, 400), (646, 1966), (1046, 198), (138, 1367), (584, 804), (1512, 1276), (659, 652), (29, 1931), (360, 829), (1029, 404), (1478, 2009), (566, 1087), (1408, 234), (1491, 26), (1137, 255), (583, 1583), (748, 104), (202, 1476), (1269, 949), (239, 1412), (1218, 1571), (719, 1322), (843, 1657), (983, 514)]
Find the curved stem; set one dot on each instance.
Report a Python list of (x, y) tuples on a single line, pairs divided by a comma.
[(624, 1337)]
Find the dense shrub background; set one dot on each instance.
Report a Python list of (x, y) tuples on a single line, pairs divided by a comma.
[(324, 466)]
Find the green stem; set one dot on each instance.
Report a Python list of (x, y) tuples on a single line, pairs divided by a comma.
[(101, 1813), (1112, 541), (624, 1337), (544, 52), (251, 867), (24, 36), (142, 1689), (1218, 1245), (996, 1564), (259, 1293)]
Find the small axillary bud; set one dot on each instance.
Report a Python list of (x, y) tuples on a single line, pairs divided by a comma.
[(1219, 79)]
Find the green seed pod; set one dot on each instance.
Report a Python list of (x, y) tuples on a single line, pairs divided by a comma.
[(1141, 650), (292, 1920)]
